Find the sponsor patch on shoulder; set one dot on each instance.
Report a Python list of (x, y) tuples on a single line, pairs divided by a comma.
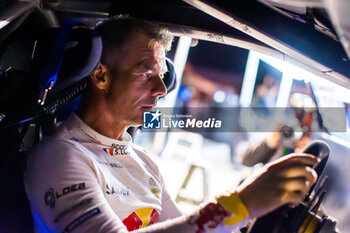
[(51, 196), (81, 219)]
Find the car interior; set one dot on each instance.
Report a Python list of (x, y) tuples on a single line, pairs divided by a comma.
[(236, 59)]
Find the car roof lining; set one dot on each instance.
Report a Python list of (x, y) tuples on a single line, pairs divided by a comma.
[(271, 38)]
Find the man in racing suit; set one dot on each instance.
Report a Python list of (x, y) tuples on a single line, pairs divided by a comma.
[(90, 177)]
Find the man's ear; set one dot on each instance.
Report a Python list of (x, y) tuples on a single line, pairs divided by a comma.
[(100, 77)]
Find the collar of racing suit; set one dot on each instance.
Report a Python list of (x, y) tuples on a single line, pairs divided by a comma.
[(96, 137)]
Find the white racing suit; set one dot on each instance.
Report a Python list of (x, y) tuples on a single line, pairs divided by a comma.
[(81, 181)]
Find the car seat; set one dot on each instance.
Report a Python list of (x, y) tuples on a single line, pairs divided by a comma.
[(43, 72)]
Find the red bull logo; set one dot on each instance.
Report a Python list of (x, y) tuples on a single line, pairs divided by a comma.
[(141, 218)]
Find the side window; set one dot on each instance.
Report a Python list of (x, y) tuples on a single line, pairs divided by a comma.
[(219, 79), (267, 84)]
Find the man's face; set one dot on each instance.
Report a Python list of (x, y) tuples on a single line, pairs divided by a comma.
[(136, 86)]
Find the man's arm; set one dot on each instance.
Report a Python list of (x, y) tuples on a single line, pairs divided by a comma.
[(79, 203), (283, 181)]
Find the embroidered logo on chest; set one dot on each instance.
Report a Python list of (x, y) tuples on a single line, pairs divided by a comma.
[(117, 150), (118, 190), (154, 187)]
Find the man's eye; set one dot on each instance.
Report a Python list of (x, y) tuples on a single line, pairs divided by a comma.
[(148, 75)]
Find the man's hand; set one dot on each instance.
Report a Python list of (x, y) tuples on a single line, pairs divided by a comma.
[(285, 180)]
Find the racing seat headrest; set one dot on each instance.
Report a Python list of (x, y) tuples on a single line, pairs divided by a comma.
[(81, 55)]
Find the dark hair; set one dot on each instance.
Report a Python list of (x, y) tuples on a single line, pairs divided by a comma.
[(115, 33)]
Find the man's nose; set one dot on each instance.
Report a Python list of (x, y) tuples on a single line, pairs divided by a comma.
[(158, 87)]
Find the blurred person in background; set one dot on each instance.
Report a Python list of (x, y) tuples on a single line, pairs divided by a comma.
[(285, 139)]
